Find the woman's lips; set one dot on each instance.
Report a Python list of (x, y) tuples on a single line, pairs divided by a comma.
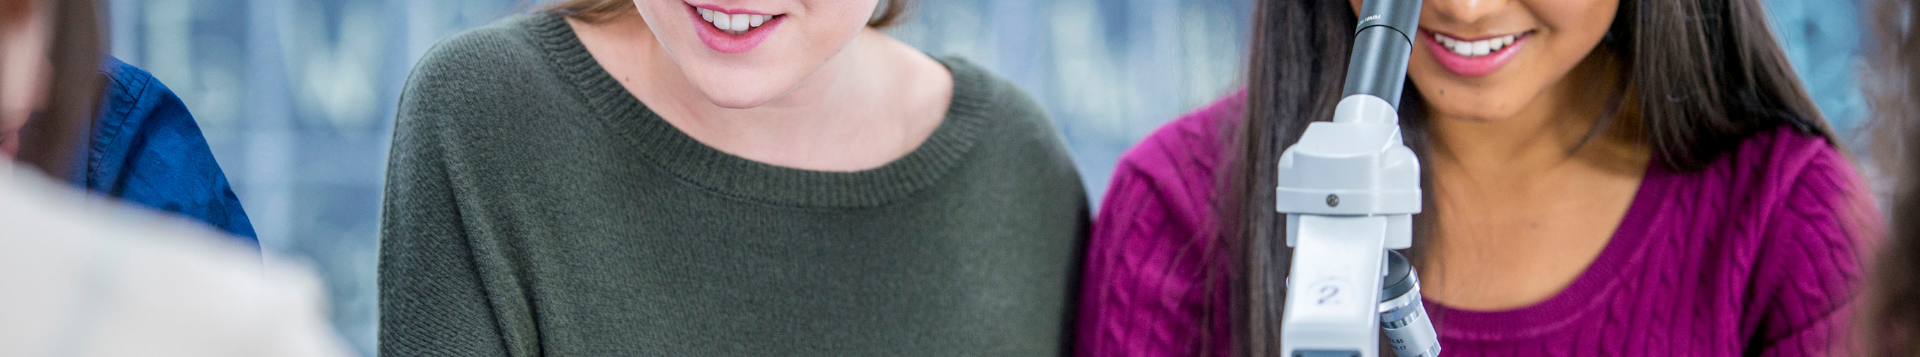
[(732, 41), (1474, 58)]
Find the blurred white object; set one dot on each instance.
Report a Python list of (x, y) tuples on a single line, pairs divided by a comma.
[(81, 276)]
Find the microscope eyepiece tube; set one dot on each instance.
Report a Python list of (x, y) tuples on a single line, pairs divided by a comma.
[(1382, 43), (1379, 64)]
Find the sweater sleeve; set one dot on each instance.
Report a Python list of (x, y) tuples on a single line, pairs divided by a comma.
[(1155, 279), (1808, 267), (433, 301), (1126, 309)]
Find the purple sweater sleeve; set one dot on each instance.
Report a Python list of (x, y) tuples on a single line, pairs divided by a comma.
[(1155, 282), (1808, 266)]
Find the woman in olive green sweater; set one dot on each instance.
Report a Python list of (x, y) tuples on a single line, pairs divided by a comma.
[(721, 177)]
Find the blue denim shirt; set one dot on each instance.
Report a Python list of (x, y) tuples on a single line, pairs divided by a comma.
[(146, 149)]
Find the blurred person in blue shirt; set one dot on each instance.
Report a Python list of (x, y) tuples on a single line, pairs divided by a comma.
[(81, 276), (146, 149)]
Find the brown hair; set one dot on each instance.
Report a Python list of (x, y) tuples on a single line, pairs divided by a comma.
[(1707, 75), (51, 138), (1890, 323), (890, 13)]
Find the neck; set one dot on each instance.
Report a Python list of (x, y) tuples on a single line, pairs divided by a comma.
[(1554, 129)]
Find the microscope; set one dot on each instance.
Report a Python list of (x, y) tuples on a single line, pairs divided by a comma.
[(1349, 190)]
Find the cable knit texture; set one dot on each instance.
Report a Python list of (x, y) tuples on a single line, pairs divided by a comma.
[(1757, 255)]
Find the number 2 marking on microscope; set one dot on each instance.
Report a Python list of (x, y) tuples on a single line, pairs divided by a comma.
[(1329, 294)]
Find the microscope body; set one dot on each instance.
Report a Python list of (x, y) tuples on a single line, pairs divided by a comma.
[(1349, 189)]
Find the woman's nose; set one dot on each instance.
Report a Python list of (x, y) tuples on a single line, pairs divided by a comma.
[(1464, 11)]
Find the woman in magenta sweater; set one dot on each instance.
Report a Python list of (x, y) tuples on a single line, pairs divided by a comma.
[(1603, 177)]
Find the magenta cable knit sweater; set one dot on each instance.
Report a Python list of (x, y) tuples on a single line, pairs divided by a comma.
[(1754, 256)]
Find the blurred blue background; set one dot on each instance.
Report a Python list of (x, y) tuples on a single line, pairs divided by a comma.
[(297, 96)]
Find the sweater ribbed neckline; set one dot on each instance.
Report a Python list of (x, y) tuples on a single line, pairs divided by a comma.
[(693, 162)]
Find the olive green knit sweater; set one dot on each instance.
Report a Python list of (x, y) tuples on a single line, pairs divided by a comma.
[(534, 207)]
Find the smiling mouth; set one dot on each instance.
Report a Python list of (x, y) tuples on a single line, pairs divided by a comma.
[(733, 24), (1475, 58), (1476, 48)]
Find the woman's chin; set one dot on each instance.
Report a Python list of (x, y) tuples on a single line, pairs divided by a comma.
[(737, 98), (1472, 108), (1472, 116), (748, 84), (739, 102)]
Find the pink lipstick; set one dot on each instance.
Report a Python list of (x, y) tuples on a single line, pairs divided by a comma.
[(1474, 58), (732, 30)]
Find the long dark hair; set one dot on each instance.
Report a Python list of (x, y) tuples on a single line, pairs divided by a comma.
[(1891, 314), (1706, 74), (49, 140)]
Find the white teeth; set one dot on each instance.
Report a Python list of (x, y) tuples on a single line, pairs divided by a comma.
[(740, 22), (1475, 48), (733, 23)]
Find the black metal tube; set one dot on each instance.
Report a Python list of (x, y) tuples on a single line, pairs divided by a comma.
[(1382, 43)]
